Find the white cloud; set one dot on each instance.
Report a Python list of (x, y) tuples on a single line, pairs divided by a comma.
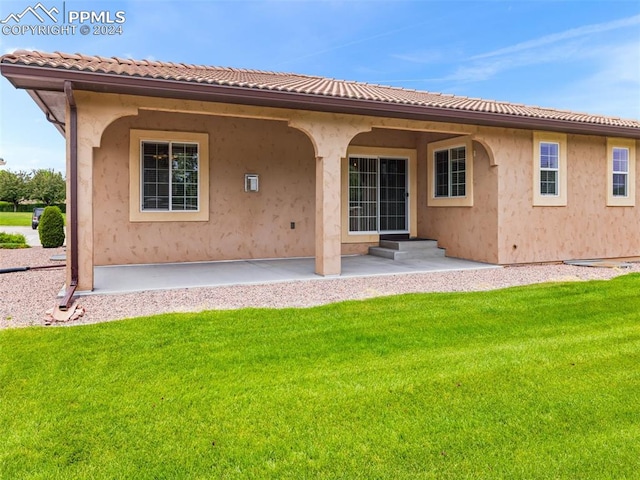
[(613, 87), (423, 56), (584, 31), (487, 68)]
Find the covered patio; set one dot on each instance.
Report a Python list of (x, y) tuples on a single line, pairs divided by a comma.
[(117, 279)]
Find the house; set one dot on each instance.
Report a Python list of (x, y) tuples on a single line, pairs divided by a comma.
[(169, 162)]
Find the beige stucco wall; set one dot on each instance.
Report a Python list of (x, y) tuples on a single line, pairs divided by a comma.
[(241, 225), (465, 232), (297, 155), (504, 226), (585, 228)]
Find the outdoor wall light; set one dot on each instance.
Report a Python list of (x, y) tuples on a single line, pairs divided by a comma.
[(251, 182)]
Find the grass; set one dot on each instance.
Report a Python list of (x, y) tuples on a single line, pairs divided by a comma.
[(15, 219), (18, 219), (527, 383)]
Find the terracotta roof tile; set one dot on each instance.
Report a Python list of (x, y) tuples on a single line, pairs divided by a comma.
[(296, 83)]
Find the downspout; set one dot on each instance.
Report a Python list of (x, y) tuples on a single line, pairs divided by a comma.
[(66, 301)]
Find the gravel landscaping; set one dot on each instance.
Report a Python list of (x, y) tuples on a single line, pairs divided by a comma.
[(26, 296)]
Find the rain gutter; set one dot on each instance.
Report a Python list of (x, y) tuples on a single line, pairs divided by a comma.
[(66, 301)]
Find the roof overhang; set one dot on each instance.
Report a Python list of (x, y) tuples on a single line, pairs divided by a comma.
[(46, 87)]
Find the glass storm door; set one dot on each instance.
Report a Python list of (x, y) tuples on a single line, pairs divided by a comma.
[(378, 195)]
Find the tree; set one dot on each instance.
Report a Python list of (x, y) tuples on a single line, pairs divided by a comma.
[(47, 186), (14, 187)]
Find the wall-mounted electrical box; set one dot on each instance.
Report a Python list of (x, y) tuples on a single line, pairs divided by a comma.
[(251, 182)]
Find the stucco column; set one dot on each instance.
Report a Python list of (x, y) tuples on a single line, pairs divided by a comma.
[(95, 113), (85, 211), (328, 227), (330, 135)]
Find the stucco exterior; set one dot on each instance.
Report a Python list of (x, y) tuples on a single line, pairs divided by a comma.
[(585, 228), (301, 159), (339, 165), (465, 232)]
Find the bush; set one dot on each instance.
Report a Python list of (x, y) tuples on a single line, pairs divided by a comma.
[(51, 228), (12, 240)]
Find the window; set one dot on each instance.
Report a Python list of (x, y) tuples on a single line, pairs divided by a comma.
[(621, 171), (450, 173), (168, 176), (549, 169)]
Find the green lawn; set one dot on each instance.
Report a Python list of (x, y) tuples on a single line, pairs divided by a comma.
[(525, 383), (15, 219), (18, 219)]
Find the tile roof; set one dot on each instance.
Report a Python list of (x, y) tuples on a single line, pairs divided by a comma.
[(297, 83)]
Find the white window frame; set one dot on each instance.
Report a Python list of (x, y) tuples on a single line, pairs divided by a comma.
[(559, 199), (450, 173), (628, 200), (548, 169), (136, 212), (171, 176), (465, 200), (624, 173)]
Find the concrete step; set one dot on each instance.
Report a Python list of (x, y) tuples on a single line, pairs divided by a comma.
[(409, 245), (408, 254)]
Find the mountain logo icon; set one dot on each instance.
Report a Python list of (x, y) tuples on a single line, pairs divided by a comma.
[(38, 11)]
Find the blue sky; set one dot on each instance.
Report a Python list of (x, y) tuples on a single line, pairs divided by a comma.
[(576, 55)]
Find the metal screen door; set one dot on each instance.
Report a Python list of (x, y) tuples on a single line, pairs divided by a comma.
[(393, 195), (378, 194)]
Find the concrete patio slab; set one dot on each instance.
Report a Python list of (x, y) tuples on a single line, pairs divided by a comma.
[(136, 278)]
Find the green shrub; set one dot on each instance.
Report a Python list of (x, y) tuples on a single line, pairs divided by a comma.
[(51, 228), (12, 240)]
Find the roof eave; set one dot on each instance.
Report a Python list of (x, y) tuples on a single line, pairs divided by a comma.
[(43, 78)]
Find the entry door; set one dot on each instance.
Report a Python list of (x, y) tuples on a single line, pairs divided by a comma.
[(378, 195), (393, 195)]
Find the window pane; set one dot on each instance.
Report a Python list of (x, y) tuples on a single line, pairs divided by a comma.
[(620, 184), (548, 182), (458, 172), (450, 172), (549, 155), (458, 184), (442, 173), (621, 160), (155, 176), (184, 176)]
